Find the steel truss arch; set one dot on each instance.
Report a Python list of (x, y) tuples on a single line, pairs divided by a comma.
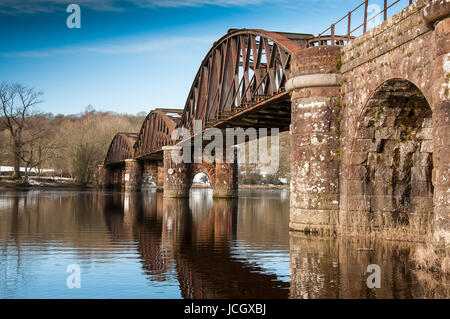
[(242, 68), (156, 131), (121, 148)]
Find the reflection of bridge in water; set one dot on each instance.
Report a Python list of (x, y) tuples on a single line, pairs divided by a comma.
[(194, 241)]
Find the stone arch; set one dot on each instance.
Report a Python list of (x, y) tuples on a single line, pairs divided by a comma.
[(205, 168), (388, 168), (199, 176)]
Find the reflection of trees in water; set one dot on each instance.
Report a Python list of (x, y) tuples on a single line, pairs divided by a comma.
[(44, 221), (13, 266), (14, 270)]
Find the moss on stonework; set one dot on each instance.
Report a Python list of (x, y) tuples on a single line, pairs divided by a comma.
[(339, 153), (337, 131), (338, 60)]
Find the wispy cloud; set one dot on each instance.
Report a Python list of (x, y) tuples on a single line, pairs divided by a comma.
[(45, 6), (135, 47), (195, 3)]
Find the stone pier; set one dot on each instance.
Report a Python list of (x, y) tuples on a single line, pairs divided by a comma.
[(132, 175), (178, 183), (315, 136), (103, 176), (225, 180)]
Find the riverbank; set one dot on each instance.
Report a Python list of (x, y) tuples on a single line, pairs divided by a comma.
[(49, 183), (285, 187), (40, 183), (264, 187)]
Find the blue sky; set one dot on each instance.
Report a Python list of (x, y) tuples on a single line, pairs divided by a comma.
[(134, 55)]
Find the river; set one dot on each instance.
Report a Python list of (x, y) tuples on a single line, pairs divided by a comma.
[(140, 245)]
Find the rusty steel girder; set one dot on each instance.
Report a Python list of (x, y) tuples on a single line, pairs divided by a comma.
[(121, 148), (242, 68), (156, 131), (244, 71)]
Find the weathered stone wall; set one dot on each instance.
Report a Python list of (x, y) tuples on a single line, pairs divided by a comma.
[(161, 176), (370, 127), (149, 172), (401, 65)]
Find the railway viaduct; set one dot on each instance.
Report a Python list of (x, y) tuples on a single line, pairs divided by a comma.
[(369, 119)]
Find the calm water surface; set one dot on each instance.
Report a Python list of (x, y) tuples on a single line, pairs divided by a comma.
[(139, 245)]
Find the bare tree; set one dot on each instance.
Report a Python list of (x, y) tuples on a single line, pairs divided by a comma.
[(17, 105), (39, 143)]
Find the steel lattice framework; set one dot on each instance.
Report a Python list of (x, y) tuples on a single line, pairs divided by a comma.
[(243, 68), (156, 131), (121, 148), (244, 71)]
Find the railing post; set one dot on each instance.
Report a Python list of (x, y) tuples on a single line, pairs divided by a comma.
[(385, 10), (333, 40), (349, 28), (366, 5)]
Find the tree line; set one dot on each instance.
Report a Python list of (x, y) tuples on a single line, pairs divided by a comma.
[(73, 145), (70, 144)]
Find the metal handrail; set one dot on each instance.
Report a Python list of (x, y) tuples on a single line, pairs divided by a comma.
[(350, 31)]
